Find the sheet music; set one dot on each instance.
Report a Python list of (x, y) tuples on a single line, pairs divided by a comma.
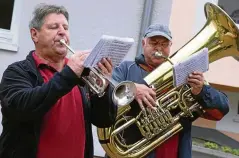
[(109, 46), (197, 62)]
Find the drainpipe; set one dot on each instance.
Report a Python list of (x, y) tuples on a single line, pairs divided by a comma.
[(146, 20)]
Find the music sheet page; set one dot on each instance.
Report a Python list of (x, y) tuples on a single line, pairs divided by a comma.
[(196, 62), (109, 46)]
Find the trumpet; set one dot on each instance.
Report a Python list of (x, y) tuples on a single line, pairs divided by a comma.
[(123, 93)]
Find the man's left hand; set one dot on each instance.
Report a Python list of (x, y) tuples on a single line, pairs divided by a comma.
[(196, 81)]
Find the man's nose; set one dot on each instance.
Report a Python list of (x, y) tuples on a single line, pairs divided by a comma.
[(159, 48), (61, 31)]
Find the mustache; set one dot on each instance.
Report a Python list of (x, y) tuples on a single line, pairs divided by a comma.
[(159, 55)]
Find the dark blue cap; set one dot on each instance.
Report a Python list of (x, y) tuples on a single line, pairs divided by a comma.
[(158, 30)]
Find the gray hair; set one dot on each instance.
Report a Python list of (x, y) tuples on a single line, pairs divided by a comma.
[(42, 10)]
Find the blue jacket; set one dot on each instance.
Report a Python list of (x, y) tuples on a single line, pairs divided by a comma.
[(210, 98)]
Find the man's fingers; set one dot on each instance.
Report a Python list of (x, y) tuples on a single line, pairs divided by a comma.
[(197, 73), (85, 55), (141, 104), (152, 93), (146, 101), (194, 82), (198, 77), (107, 64), (110, 61), (151, 100), (102, 67)]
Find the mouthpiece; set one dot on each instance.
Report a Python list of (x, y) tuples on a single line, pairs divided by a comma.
[(158, 54), (62, 41)]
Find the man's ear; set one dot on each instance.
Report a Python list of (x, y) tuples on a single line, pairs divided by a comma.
[(143, 42), (34, 34)]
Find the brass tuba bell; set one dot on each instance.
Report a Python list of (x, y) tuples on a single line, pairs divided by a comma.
[(220, 36)]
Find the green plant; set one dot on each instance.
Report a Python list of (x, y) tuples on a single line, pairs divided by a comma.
[(227, 149), (235, 152), (211, 145), (215, 146)]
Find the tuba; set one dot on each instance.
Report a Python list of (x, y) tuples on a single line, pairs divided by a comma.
[(220, 36)]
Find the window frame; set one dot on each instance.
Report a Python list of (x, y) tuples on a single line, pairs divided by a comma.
[(9, 38)]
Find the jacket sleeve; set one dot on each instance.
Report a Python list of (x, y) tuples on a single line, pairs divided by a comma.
[(103, 110), (214, 102), (120, 72), (22, 101)]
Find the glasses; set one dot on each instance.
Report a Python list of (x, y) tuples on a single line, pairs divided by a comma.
[(159, 44)]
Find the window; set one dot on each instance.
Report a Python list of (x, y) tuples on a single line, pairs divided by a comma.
[(6, 13), (9, 24)]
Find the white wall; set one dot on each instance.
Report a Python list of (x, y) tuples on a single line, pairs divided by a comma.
[(162, 11), (200, 18), (227, 123)]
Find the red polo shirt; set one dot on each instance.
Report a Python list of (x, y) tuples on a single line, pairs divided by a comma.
[(168, 149), (63, 131)]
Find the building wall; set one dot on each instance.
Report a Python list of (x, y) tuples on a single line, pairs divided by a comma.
[(230, 122), (229, 7)]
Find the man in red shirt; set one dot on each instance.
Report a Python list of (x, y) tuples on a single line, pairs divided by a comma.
[(47, 113)]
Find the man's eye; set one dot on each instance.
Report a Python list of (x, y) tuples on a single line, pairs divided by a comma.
[(165, 44), (53, 27)]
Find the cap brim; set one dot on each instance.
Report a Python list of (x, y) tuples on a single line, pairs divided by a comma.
[(158, 33)]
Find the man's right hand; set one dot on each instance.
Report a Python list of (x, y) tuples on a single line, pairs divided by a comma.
[(145, 96), (76, 62)]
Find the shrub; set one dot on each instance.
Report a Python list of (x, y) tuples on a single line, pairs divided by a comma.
[(226, 149), (211, 145), (235, 152)]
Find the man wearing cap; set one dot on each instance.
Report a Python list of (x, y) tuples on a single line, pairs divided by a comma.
[(158, 38)]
